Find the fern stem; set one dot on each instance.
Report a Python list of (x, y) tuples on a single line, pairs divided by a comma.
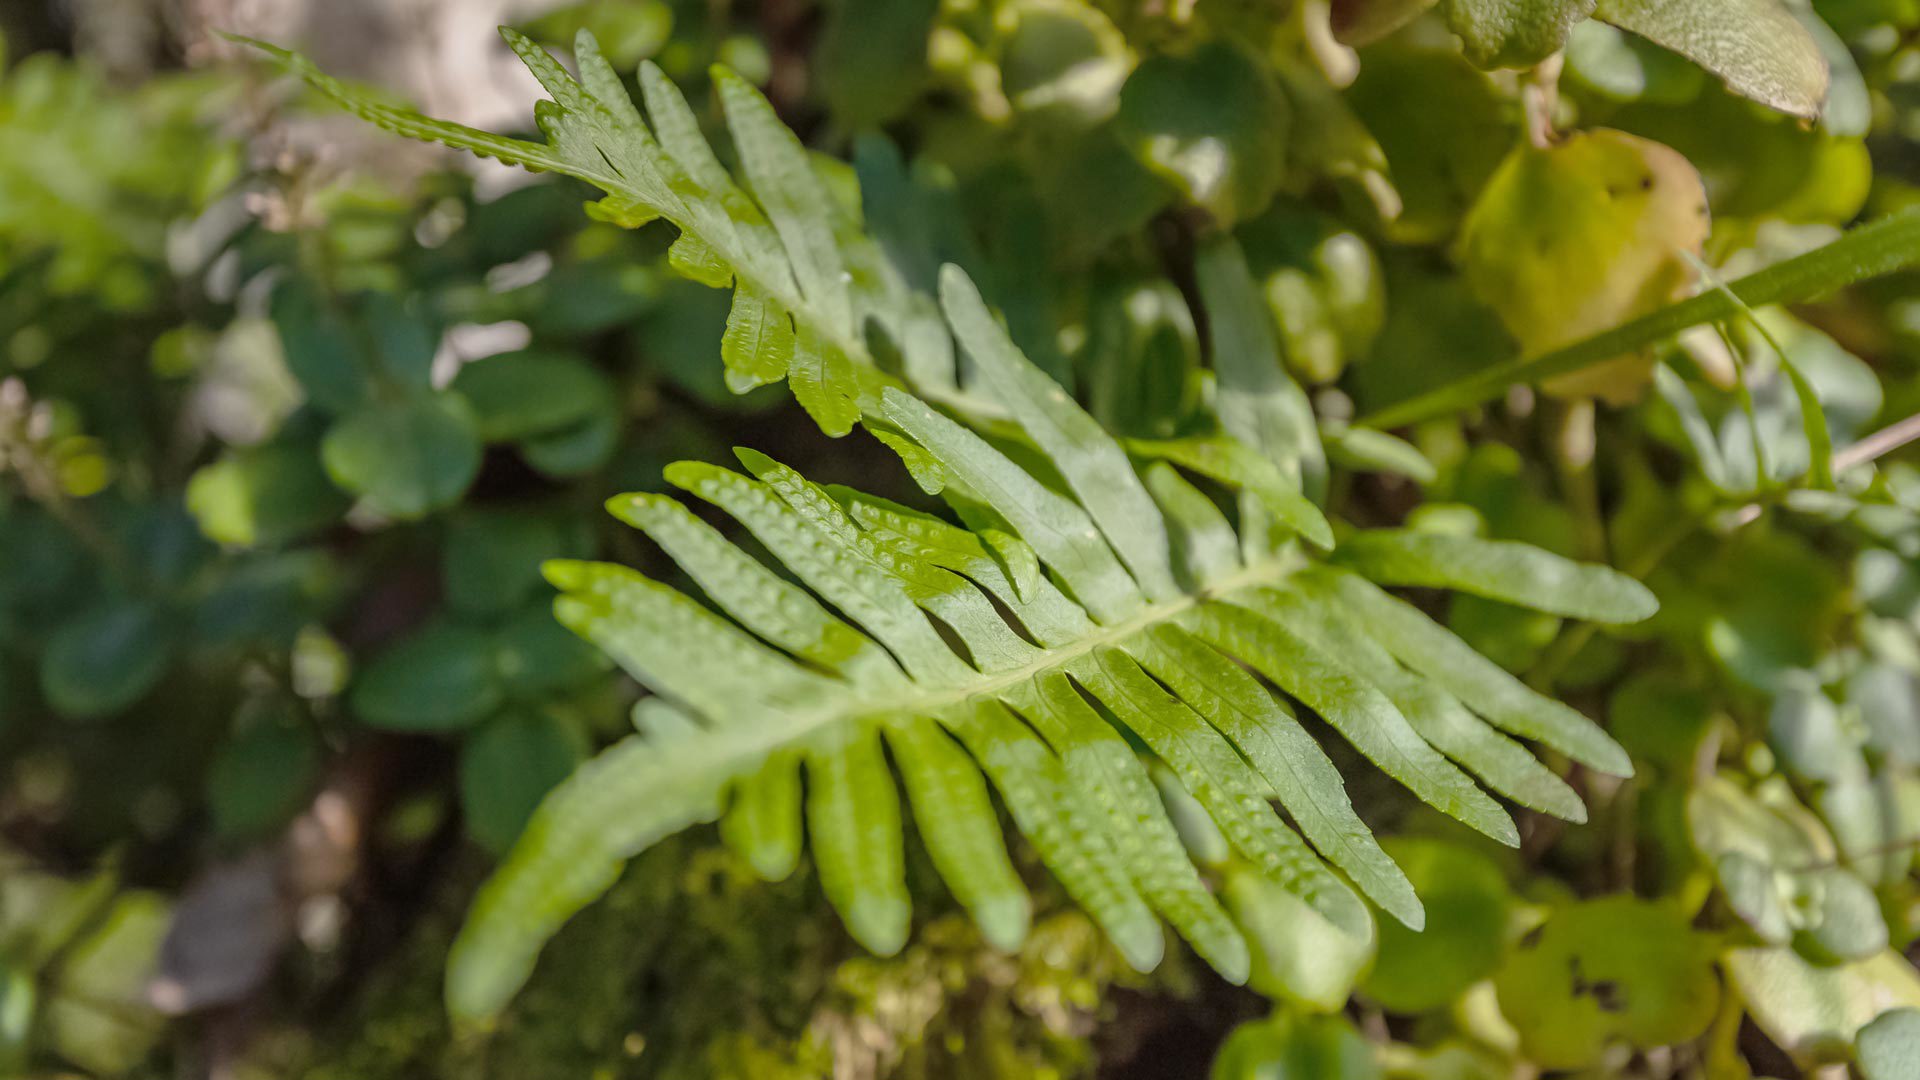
[(1881, 247), (931, 701)]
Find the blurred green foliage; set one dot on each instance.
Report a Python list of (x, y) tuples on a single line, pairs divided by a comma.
[(282, 451)]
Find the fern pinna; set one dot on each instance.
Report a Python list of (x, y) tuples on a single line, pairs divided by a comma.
[(1096, 600)]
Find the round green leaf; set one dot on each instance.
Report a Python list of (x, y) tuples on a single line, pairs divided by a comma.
[(520, 395), (406, 458), (872, 58), (1064, 61), (1615, 968), (536, 656), (1815, 1012), (1805, 731), (1287, 1047), (1844, 921), (579, 448), (492, 560), (1887, 699), (264, 497), (1469, 911), (1298, 956), (106, 658), (403, 339), (260, 778), (1581, 236), (1862, 814), (506, 768), (1213, 124), (1889, 1047), (443, 677), (320, 347)]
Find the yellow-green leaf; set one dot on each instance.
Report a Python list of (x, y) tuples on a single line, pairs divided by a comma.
[(1569, 240)]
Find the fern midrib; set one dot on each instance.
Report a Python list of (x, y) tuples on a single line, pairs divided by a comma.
[(793, 302), (932, 701)]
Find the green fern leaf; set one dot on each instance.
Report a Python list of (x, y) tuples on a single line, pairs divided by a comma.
[(801, 303), (1027, 656)]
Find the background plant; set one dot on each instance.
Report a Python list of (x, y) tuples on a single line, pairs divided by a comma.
[(281, 475)]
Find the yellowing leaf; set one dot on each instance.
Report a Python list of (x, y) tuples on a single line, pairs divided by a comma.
[(1582, 236), (1812, 1012)]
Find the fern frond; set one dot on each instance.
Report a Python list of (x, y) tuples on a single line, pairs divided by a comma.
[(806, 285), (1030, 655), (1097, 609)]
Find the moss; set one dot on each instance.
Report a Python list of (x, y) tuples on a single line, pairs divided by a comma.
[(690, 968)]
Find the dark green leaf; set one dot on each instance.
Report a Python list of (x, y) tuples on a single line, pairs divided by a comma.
[(521, 395), (106, 658), (1296, 1047), (321, 346), (407, 458), (872, 58), (264, 497), (440, 678), (506, 768), (1213, 124), (492, 559), (261, 778), (537, 656)]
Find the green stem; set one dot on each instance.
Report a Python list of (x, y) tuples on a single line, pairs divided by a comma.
[(1876, 249)]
